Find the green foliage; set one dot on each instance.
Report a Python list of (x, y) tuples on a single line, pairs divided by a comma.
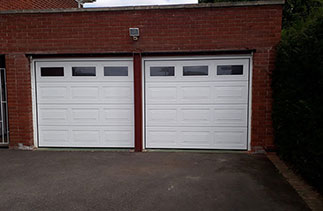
[(299, 10), (298, 98)]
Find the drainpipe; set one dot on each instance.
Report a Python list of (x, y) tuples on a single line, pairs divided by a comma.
[(79, 4)]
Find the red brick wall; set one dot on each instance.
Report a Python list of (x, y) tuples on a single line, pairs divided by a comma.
[(36, 4), (254, 27), (19, 100)]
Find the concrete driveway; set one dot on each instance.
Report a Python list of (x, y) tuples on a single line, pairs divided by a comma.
[(52, 180)]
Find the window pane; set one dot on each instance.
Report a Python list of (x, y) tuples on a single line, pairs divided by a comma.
[(5, 122), (83, 71), (52, 71), (3, 85), (195, 70), (230, 70), (162, 71), (115, 71)]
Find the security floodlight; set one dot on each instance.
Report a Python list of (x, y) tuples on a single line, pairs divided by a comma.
[(134, 33)]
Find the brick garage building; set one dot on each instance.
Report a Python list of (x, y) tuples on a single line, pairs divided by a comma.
[(198, 77)]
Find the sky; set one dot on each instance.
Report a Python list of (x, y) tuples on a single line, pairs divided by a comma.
[(113, 3)]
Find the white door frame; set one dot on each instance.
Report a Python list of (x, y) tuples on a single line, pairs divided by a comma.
[(33, 83), (244, 56)]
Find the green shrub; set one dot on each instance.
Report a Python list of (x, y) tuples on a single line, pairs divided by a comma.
[(298, 98)]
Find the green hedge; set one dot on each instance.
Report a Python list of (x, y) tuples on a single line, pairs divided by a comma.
[(298, 99)]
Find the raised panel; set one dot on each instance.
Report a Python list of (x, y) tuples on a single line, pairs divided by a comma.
[(88, 137), (196, 138), (85, 115), (196, 116), (53, 115), (162, 94), (195, 94), (232, 138), (52, 92), (118, 93), (53, 136), (84, 92), (118, 138), (231, 115), (166, 116), (118, 115), (231, 94), (161, 138)]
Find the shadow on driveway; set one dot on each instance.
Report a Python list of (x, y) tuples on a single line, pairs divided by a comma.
[(51, 180)]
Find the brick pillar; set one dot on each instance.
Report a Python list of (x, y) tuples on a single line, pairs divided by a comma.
[(19, 100), (138, 101), (261, 123)]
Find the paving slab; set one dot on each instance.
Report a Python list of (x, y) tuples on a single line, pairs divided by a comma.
[(62, 180)]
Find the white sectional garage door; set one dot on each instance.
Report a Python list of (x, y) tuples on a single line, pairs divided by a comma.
[(196, 103), (85, 103)]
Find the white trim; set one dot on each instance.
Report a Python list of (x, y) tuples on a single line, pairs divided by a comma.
[(242, 56), (143, 103), (34, 100), (250, 100), (82, 59)]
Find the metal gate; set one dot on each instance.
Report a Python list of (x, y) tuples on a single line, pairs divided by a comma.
[(4, 132)]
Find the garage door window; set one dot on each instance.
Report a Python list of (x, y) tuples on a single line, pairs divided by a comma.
[(230, 70), (52, 71), (195, 70), (162, 71), (83, 71), (115, 71)]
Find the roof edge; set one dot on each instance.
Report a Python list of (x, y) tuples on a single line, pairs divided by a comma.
[(152, 7)]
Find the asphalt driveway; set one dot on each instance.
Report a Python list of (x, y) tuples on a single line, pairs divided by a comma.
[(52, 180)]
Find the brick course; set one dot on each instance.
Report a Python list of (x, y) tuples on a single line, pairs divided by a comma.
[(36, 4), (161, 30)]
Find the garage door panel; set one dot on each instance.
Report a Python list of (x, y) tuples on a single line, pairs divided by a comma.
[(231, 115), (85, 115), (197, 115), (161, 116), (231, 138), (206, 111), (114, 93), (235, 92), (161, 138), (84, 92), (161, 93), (86, 111), (90, 114), (52, 135), (50, 92), (115, 115), (195, 94), (118, 138), (197, 137), (58, 115), (85, 136), (118, 94)]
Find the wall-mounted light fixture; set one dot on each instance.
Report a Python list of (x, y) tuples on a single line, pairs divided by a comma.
[(134, 33)]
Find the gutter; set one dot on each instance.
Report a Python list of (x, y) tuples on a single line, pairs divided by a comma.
[(152, 7)]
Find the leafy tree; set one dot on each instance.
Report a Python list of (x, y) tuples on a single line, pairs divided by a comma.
[(297, 93)]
